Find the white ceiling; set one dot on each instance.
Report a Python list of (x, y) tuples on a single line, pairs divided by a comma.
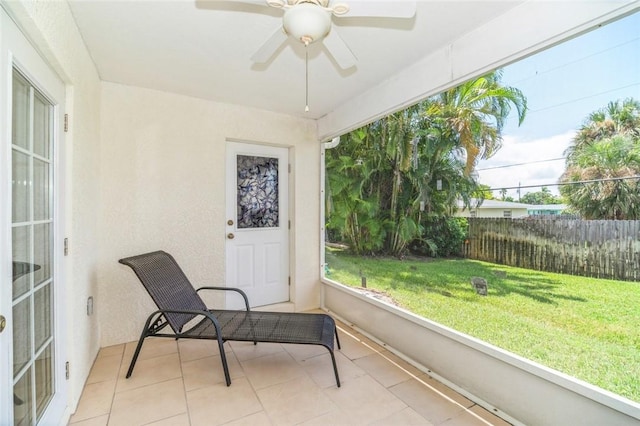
[(203, 49)]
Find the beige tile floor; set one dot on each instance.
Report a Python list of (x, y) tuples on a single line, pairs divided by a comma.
[(181, 383)]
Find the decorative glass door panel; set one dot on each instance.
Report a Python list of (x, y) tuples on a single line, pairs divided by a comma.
[(257, 192), (32, 243)]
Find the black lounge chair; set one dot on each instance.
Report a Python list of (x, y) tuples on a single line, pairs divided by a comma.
[(179, 303)]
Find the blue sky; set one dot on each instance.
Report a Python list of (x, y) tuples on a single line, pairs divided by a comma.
[(563, 85)]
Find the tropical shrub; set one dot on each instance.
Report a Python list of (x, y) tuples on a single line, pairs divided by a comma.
[(442, 237)]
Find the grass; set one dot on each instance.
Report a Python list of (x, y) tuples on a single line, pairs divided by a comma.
[(585, 327)]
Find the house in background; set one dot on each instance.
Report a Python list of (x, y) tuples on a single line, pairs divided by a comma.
[(546, 209), (122, 129), (508, 209), (494, 209)]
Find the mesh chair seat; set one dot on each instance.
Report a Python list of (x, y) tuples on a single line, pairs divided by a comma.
[(274, 327)]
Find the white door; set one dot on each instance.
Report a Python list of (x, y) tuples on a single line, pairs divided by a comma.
[(33, 387), (257, 228)]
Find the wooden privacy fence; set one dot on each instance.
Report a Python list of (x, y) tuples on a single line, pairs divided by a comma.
[(592, 248)]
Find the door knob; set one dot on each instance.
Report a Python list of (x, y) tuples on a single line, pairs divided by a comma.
[(230, 236), (3, 323)]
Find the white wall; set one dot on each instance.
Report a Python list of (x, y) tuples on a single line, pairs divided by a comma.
[(51, 28), (163, 187)]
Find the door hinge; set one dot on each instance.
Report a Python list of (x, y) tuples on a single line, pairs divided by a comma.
[(66, 123), (66, 247), (289, 167), (289, 224), (289, 281), (66, 370)]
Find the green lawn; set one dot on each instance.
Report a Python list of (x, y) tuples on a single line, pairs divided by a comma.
[(585, 327)]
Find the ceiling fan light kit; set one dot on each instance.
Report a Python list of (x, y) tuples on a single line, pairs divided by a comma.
[(310, 21), (307, 22)]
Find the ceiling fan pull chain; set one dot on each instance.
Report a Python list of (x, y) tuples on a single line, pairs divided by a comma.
[(306, 64)]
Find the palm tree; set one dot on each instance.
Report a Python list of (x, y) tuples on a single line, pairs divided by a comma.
[(475, 113), (606, 163), (621, 117), (606, 149)]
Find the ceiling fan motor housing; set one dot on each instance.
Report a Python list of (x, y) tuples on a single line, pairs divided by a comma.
[(307, 22)]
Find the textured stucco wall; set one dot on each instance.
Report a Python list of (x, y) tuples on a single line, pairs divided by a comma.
[(163, 187), (51, 28)]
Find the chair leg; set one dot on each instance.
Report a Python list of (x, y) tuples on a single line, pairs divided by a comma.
[(251, 324), (145, 333), (337, 339), (136, 353), (335, 367), (223, 358)]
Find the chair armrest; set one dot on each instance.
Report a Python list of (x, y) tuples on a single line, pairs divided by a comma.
[(237, 290)]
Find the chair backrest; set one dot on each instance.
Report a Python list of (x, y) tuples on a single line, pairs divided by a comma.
[(167, 285)]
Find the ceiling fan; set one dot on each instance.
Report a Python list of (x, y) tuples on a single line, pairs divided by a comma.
[(310, 21)]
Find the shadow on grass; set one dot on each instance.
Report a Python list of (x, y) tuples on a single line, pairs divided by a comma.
[(533, 286), (451, 278)]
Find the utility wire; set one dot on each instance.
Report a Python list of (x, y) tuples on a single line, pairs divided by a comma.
[(567, 183), (582, 98), (504, 166), (539, 73)]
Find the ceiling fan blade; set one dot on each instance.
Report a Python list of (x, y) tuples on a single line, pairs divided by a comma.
[(339, 50), (266, 51), (381, 8)]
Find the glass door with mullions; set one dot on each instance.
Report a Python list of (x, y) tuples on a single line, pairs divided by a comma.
[(32, 225)]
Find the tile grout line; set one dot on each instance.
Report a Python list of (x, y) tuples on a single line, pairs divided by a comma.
[(115, 391), (184, 386), (368, 374), (115, 386), (253, 389)]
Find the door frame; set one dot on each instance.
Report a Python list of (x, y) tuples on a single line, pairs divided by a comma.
[(286, 169), (16, 51)]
